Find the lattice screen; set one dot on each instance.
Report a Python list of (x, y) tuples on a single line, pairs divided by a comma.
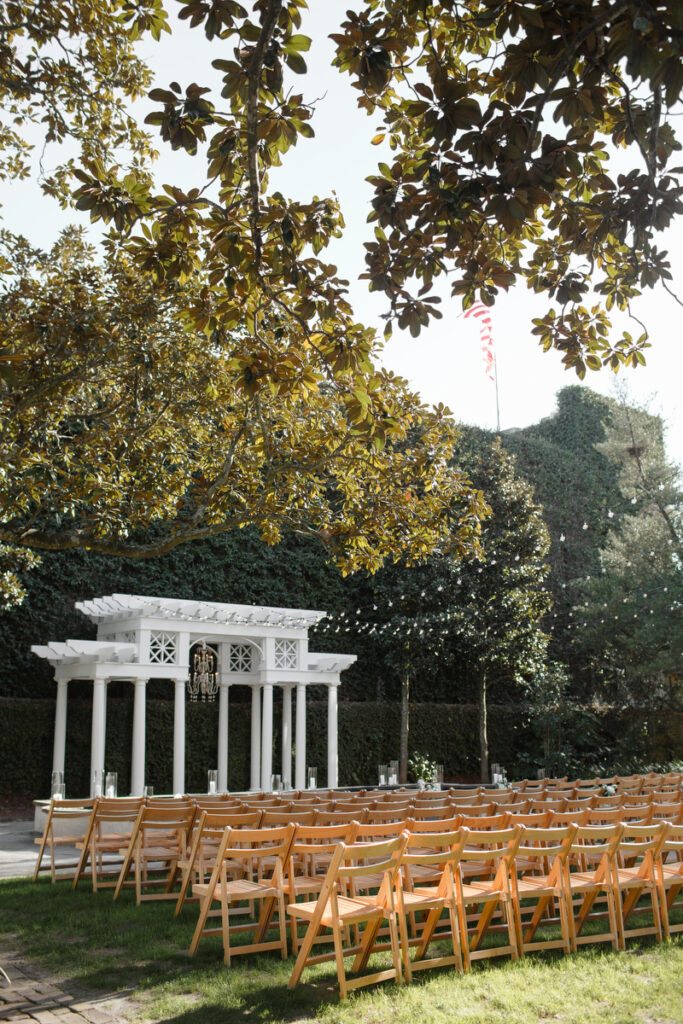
[(163, 647), (285, 654)]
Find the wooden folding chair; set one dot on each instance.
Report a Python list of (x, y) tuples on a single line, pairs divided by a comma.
[(77, 813), (535, 819), (160, 840), (481, 823), (253, 848), (638, 799), (473, 809), (593, 850), (542, 855), (340, 817), (425, 811), (312, 805), (465, 795), (634, 874), (206, 836), (339, 912), (672, 812), (426, 796), (221, 802), (558, 819), (109, 828), (580, 803), (270, 819), (670, 877), (310, 856), (547, 805), (435, 855), (397, 813), (516, 807), (491, 852), (502, 796)]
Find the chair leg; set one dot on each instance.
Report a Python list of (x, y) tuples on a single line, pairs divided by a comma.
[(305, 948), (588, 901), (367, 942), (484, 922), (512, 927), (464, 936), (395, 947), (427, 932), (535, 921), (225, 925), (204, 908), (339, 958), (564, 923), (664, 910), (403, 932), (138, 878), (282, 924)]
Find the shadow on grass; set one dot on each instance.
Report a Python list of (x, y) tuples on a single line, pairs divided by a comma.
[(94, 945)]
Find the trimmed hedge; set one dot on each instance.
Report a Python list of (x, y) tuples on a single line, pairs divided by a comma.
[(368, 735)]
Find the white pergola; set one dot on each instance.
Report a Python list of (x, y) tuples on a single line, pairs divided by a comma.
[(143, 638)]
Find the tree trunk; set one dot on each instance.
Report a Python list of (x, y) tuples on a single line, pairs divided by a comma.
[(483, 733), (405, 726)]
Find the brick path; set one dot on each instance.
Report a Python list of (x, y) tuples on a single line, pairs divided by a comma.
[(34, 997)]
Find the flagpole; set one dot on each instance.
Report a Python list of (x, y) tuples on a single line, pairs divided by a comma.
[(495, 381)]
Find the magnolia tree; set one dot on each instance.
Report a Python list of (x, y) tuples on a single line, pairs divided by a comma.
[(210, 372)]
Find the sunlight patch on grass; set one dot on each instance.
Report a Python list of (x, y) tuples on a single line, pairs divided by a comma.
[(98, 946)]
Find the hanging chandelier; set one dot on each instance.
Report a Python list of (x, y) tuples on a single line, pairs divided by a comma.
[(203, 681)]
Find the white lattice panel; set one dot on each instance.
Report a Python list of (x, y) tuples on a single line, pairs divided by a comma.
[(162, 648), (240, 658), (285, 654)]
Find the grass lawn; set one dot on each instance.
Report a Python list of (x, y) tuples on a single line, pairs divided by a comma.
[(97, 946)]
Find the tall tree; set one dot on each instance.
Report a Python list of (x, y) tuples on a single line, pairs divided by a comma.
[(627, 621), (498, 605), (479, 187), (123, 432), (477, 620)]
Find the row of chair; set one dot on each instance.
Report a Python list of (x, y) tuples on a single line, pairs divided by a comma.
[(504, 871), (108, 821), (508, 879)]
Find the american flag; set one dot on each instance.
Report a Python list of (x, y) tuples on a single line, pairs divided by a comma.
[(482, 315)]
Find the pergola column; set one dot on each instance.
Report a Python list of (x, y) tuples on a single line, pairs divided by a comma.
[(332, 760), (59, 747), (300, 759), (267, 736), (179, 737), (287, 737), (223, 737), (98, 730), (137, 764), (255, 738)]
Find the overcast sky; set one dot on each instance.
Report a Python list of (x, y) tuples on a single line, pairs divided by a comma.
[(444, 364)]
